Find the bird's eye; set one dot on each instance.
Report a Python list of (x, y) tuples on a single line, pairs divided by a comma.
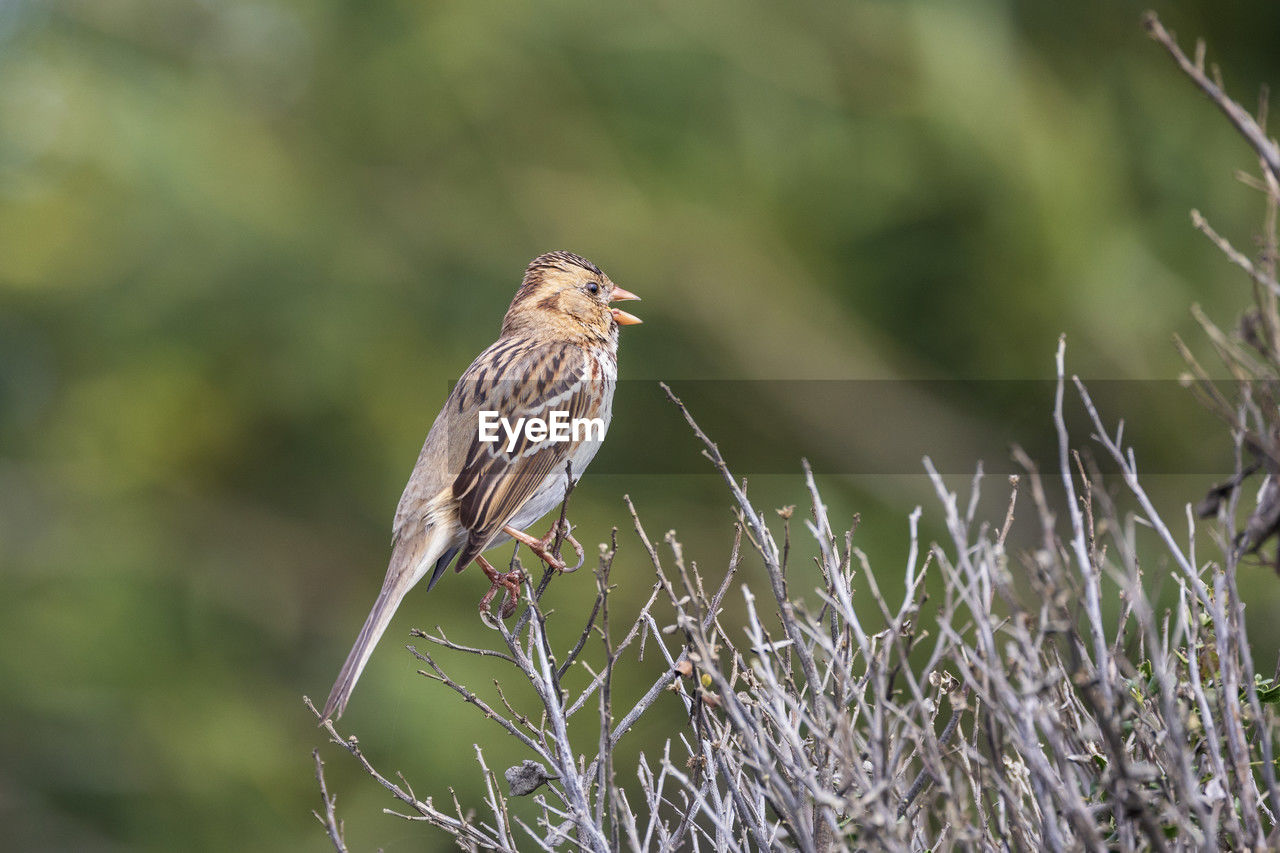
[(593, 287)]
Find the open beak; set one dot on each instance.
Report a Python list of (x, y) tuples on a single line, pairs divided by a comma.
[(622, 317)]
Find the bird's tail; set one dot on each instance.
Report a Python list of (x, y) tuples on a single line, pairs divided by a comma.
[(405, 571)]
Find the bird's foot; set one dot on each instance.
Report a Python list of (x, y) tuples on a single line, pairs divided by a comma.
[(541, 547), (510, 581), (547, 541), (577, 549)]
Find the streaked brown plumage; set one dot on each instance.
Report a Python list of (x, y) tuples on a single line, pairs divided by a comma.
[(557, 351)]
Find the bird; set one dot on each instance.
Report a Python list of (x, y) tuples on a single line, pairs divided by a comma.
[(557, 351)]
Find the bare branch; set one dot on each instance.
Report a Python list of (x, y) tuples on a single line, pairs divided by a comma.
[(1236, 114)]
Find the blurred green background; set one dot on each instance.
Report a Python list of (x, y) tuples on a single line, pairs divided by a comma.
[(245, 245)]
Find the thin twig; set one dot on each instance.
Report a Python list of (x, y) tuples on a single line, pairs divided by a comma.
[(1236, 114), (329, 821)]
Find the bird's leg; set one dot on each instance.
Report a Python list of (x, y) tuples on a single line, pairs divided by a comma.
[(510, 581), (540, 547)]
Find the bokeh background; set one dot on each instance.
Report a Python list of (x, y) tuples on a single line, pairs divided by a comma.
[(246, 244)]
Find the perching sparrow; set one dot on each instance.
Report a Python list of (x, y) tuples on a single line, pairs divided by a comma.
[(558, 351)]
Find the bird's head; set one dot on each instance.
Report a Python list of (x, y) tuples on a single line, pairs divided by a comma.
[(567, 297)]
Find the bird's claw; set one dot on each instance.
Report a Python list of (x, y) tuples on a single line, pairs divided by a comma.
[(541, 548), (510, 581), (582, 554), (547, 541), (510, 602)]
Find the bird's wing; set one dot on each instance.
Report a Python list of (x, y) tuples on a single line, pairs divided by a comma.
[(498, 478)]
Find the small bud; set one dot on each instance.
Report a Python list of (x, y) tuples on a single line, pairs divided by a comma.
[(685, 668)]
